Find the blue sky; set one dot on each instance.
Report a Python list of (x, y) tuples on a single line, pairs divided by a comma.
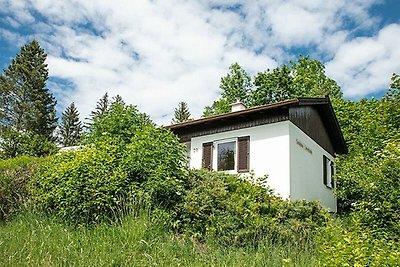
[(157, 53)]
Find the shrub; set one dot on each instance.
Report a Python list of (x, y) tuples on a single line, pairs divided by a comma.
[(120, 123), (156, 156), (14, 143), (98, 182), (372, 187), (85, 186), (354, 245), (237, 211), (14, 176)]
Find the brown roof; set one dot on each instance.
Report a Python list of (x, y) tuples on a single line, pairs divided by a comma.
[(323, 105)]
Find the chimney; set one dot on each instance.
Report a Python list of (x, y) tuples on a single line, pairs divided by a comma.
[(238, 106)]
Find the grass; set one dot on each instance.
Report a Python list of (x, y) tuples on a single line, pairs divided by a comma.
[(35, 240)]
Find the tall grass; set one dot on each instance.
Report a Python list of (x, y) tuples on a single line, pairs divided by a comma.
[(35, 240)]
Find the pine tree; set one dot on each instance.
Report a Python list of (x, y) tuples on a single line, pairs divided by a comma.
[(182, 113), (118, 99), (28, 108), (102, 107), (71, 127)]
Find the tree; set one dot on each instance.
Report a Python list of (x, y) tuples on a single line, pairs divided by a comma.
[(101, 108), (119, 124), (304, 78), (71, 126), (272, 86), (367, 178), (118, 99), (236, 85), (392, 101), (182, 113), (28, 108)]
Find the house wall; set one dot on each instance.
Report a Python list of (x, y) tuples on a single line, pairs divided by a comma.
[(306, 169), (269, 152)]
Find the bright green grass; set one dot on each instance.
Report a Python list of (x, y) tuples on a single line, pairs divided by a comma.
[(32, 240)]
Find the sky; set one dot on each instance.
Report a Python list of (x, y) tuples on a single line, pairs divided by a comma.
[(158, 53)]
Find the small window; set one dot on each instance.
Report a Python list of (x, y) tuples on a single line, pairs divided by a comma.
[(328, 172), (332, 175), (226, 156)]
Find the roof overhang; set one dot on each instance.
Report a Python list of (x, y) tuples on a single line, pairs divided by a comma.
[(323, 106)]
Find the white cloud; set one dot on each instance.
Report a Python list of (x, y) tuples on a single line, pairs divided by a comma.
[(157, 53), (364, 65)]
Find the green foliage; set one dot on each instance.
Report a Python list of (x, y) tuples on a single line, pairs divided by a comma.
[(102, 107), (118, 100), (86, 186), (34, 240), (370, 187), (71, 126), (240, 212), (363, 124), (392, 101), (120, 122), (17, 143), (273, 86), (219, 106), (28, 108), (157, 159), (302, 78), (368, 177), (182, 113), (235, 86), (128, 160), (354, 245), (14, 176)]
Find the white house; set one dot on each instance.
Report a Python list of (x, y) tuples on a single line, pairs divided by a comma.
[(294, 142)]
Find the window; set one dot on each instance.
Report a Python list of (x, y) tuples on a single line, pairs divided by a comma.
[(328, 172), (226, 156)]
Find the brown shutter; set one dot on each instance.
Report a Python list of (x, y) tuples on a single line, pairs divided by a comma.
[(207, 156), (243, 154), (325, 170)]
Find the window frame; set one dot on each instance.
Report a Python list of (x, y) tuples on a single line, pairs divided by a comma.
[(216, 158), (328, 169)]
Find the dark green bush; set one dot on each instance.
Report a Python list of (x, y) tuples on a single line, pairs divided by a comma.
[(14, 176), (240, 212)]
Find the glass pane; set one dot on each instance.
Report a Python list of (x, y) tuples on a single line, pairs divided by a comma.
[(226, 156)]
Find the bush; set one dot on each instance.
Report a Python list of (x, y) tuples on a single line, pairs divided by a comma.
[(85, 186), (156, 157), (371, 186), (14, 143), (120, 123), (354, 245), (108, 176), (237, 211), (14, 177)]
